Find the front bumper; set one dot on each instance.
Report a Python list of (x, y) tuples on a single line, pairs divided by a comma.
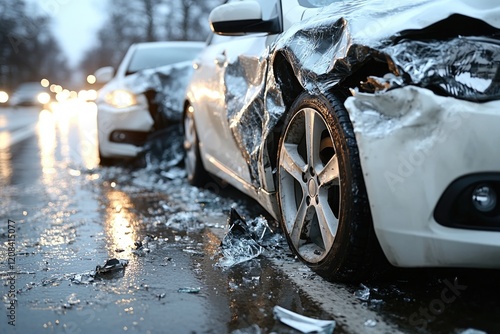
[(413, 144), (135, 119)]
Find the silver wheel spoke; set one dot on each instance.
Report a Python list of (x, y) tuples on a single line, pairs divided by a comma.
[(330, 174), (314, 126), (328, 224), (298, 223), (292, 162)]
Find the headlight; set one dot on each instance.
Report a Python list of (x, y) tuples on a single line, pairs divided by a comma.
[(4, 97), (465, 67), (120, 98), (43, 98)]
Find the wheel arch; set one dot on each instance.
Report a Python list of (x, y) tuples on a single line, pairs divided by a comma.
[(290, 87)]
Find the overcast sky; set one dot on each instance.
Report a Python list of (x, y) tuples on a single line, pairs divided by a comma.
[(75, 23)]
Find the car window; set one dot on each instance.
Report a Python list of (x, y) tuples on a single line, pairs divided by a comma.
[(154, 57)]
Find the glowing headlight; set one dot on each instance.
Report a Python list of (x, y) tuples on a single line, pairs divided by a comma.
[(4, 97), (43, 98), (120, 98)]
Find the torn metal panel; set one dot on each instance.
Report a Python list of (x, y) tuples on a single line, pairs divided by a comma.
[(169, 83), (244, 99), (464, 67)]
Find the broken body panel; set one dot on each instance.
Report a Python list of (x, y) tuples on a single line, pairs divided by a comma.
[(422, 70)]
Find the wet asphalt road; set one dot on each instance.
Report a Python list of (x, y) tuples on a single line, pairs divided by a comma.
[(62, 215)]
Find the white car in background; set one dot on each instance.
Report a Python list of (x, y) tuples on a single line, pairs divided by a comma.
[(30, 94), (362, 126), (145, 95)]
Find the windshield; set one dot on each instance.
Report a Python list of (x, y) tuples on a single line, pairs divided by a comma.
[(145, 58)]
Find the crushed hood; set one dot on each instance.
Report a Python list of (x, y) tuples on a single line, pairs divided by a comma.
[(371, 21)]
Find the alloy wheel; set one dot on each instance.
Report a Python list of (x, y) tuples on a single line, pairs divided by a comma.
[(309, 185)]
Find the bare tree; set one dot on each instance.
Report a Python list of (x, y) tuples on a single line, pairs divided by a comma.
[(28, 49), (132, 21), (190, 19)]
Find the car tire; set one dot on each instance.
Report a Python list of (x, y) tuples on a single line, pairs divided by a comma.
[(195, 171), (325, 214)]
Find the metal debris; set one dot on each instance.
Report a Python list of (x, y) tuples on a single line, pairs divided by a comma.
[(85, 278), (363, 294), (244, 240), (111, 265), (189, 290), (303, 323)]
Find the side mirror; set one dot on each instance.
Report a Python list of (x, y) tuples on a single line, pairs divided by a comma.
[(104, 74), (240, 18)]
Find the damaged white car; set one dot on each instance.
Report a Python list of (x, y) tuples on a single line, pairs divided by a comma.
[(145, 95), (361, 125)]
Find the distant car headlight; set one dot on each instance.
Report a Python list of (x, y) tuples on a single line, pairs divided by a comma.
[(120, 98), (43, 98), (4, 97)]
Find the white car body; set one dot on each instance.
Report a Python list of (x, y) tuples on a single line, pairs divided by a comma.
[(414, 144), (135, 120)]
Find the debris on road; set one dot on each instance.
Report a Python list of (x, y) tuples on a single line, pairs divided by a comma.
[(85, 278), (370, 323), (303, 323), (189, 290), (244, 240), (111, 266), (141, 248), (72, 300), (185, 221), (363, 294)]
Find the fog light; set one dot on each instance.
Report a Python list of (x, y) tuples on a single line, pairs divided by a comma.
[(484, 198), (118, 136)]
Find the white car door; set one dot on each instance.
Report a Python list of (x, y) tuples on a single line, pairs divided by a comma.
[(233, 71)]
